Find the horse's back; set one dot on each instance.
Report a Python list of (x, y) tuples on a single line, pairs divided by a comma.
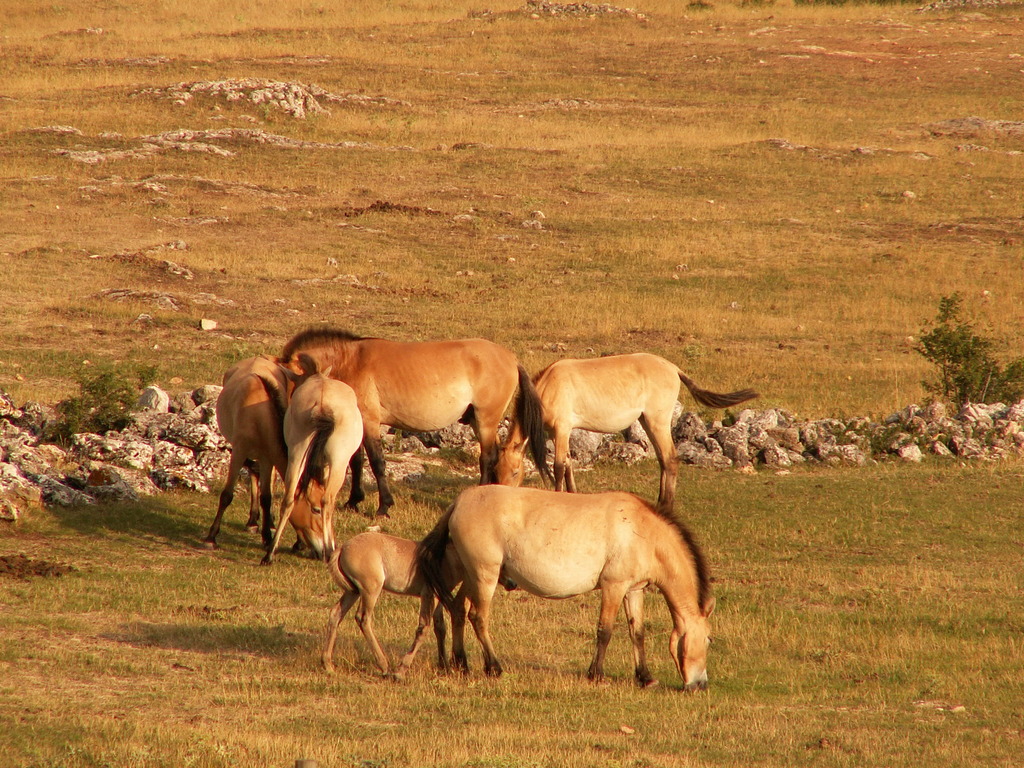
[(245, 410), (606, 394), (551, 544)]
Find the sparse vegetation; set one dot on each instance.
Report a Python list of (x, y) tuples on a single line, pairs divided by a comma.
[(968, 370), (104, 402)]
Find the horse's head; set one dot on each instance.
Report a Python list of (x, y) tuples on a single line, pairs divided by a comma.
[(509, 469), (314, 528), (689, 649)]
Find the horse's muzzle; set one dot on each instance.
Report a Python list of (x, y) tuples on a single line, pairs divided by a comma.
[(700, 684)]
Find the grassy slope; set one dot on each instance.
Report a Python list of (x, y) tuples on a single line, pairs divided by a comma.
[(672, 226), (858, 611)]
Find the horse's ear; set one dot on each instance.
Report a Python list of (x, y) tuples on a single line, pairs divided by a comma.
[(327, 371), (289, 374), (307, 363), (710, 607)]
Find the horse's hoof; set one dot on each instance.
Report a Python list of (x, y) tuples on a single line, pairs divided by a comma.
[(210, 544), (652, 683), (252, 527), (266, 560)]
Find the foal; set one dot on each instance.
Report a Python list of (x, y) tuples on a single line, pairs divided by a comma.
[(369, 564)]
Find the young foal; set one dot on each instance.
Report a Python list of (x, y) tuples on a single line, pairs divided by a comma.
[(558, 545), (250, 414), (369, 564), (322, 429), (607, 394)]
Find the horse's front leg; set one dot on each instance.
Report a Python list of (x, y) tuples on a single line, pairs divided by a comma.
[(634, 607), (356, 494), (563, 473), (611, 597), (375, 453)]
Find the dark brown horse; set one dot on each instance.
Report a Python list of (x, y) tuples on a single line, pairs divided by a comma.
[(421, 387)]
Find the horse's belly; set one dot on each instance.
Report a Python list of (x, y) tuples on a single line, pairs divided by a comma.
[(608, 421), (553, 582)]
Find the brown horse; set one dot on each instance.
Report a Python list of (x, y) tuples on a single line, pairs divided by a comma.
[(369, 564), (424, 386), (607, 394), (557, 545), (250, 414), (322, 429)]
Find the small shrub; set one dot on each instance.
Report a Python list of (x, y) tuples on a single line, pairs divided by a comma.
[(106, 397), (967, 371)]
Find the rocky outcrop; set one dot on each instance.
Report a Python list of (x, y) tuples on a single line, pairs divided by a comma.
[(173, 442)]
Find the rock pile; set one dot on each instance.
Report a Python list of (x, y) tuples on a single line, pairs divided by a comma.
[(173, 442), (295, 99), (536, 9)]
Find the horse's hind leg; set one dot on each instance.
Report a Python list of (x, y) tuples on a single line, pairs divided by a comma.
[(337, 614), (439, 635), (252, 524), (226, 497), (634, 607), (458, 614), (375, 453), (480, 617), (364, 618), (486, 428), (266, 496), (659, 428), (563, 471), (611, 597), (356, 494)]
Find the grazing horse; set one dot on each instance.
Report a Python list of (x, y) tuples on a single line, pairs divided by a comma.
[(369, 564), (424, 386), (323, 430), (250, 414), (607, 394), (558, 545)]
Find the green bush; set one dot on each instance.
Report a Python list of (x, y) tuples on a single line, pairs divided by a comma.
[(967, 371), (106, 397)]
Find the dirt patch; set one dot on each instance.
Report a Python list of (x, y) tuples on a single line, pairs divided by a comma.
[(22, 567)]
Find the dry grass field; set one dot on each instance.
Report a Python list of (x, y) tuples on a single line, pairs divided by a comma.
[(770, 195)]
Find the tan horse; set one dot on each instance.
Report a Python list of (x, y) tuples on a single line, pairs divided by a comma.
[(607, 394), (557, 545), (322, 429), (424, 386), (250, 414), (370, 564)]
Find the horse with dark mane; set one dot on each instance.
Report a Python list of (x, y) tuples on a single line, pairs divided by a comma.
[(558, 545), (421, 387)]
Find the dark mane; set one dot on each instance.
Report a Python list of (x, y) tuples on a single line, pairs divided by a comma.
[(315, 337), (699, 563)]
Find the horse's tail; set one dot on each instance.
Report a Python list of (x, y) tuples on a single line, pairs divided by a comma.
[(279, 402), (716, 399), (530, 416), (338, 575), (430, 554), (316, 455)]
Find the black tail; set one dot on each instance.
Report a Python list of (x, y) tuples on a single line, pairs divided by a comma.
[(430, 559), (316, 454), (530, 415), (715, 399)]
